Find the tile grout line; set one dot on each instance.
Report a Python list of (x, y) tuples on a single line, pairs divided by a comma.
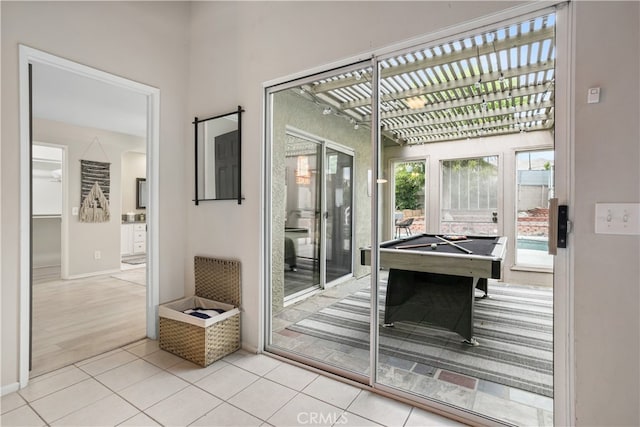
[(189, 382), (78, 409), (116, 393), (38, 414), (90, 377), (263, 376)]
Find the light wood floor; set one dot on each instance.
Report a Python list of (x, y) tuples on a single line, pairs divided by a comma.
[(77, 319)]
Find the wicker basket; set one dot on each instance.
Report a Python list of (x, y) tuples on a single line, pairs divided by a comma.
[(203, 341)]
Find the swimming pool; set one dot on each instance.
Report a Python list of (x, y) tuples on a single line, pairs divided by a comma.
[(539, 244)]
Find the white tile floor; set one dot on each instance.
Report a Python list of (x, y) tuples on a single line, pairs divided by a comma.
[(141, 385)]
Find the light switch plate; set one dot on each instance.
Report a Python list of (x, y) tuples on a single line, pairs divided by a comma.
[(618, 218), (593, 96)]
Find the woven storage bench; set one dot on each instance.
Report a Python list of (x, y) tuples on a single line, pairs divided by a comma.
[(203, 341)]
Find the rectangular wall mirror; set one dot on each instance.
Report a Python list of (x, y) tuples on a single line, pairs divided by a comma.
[(218, 157), (141, 193)]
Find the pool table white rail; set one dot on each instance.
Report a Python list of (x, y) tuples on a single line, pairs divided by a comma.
[(462, 264)]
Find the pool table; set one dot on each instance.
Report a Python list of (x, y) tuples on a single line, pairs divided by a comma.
[(432, 280)]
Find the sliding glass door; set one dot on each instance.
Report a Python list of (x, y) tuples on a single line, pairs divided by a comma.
[(318, 225), (429, 317), (451, 331), (320, 211), (338, 225), (302, 222)]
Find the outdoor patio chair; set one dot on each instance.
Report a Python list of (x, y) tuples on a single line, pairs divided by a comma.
[(404, 225)]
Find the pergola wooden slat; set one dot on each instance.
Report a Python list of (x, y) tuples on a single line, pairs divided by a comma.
[(494, 83)]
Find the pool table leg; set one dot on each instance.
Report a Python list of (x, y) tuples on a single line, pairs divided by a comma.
[(469, 338), (483, 286)]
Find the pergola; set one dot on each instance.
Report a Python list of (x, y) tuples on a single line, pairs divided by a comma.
[(494, 83)]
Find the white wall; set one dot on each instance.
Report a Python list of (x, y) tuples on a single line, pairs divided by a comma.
[(607, 268), (143, 41), (86, 238)]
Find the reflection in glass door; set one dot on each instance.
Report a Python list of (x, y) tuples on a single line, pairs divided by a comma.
[(318, 221)]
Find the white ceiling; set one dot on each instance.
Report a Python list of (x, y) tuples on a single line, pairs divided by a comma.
[(68, 97)]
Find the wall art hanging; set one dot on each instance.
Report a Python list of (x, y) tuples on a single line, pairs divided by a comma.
[(94, 191)]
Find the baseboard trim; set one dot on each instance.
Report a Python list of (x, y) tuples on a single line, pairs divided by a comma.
[(95, 273), (36, 267), (250, 348), (9, 388)]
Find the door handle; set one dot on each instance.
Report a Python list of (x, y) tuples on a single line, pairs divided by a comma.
[(563, 225), (558, 226), (553, 226)]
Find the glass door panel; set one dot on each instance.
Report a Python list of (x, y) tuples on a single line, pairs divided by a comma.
[(469, 200), (450, 331), (320, 209), (338, 179)]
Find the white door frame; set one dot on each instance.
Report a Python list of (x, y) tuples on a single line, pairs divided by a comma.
[(28, 56), (391, 209)]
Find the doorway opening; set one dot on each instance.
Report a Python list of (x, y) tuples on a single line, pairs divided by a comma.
[(47, 169), (409, 197), (86, 274), (101, 259)]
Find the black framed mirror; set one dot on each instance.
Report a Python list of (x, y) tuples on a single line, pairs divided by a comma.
[(141, 193), (218, 157)]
